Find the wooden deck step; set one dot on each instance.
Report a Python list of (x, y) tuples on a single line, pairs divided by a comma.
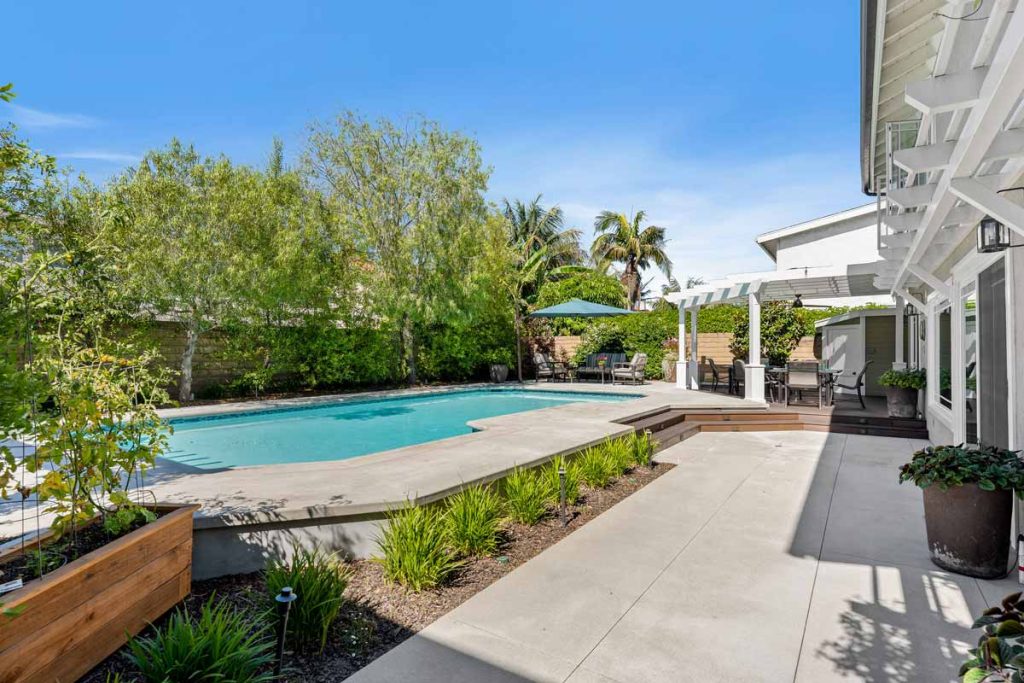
[(659, 421), (742, 416)]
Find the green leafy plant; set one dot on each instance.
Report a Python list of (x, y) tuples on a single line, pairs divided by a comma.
[(781, 329), (526, 496), (319, 579), (642, 445), (223, 644), (596, 468), (903, 379), (620, 453), (415, 547), (999, 656), (991, 468), (126, 518), (549, 473), (472, 520)]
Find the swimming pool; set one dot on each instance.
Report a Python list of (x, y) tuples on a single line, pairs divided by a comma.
[(350, 428)]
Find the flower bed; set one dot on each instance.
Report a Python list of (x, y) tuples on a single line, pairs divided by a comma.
[(378, 615)]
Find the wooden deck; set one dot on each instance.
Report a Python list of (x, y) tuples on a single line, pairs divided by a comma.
[(845, 417)]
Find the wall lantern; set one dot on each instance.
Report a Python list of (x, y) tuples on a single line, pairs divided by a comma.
[(797, 301), (994, 235)]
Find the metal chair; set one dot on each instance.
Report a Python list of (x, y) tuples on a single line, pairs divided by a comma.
[(801, 377), (858, 384), (716, 374), (548, 369), (739, 373)]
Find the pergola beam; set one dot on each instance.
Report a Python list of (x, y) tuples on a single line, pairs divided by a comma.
[(987, 201), (946, 93)]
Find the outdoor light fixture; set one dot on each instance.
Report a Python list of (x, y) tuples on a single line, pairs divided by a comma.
[(797, 302), (994, 235)]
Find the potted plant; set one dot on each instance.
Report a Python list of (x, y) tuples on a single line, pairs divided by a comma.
[(111, 562), (901, 387), (498, 361), (968, 503), (668, 361), (1000, 652)]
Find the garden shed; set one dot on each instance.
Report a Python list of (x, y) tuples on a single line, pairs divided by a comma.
[(849, 340)]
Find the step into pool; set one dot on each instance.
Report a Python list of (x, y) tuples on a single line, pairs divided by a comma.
[(350, 428)]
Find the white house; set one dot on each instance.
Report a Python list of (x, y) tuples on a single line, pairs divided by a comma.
[(942, 149)]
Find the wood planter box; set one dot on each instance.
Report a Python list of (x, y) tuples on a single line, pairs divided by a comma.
[(73, 618)]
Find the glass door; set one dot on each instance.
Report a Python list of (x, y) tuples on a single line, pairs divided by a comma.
[(989, 385), (970, 362)]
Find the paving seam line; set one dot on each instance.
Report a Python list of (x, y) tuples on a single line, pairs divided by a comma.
[(667, 565), (817, 560)]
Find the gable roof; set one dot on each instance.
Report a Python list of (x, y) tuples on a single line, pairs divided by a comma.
[(769, 241)]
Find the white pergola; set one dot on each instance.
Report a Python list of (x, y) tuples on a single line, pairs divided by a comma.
[(827, 282)]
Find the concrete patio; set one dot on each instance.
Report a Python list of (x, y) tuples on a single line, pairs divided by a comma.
[(786, 556)]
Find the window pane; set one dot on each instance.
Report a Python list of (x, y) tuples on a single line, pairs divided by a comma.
[(945, 359), (970, 330), (993, 382)]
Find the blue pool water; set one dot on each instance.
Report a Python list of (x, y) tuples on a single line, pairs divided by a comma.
[(348, 429)]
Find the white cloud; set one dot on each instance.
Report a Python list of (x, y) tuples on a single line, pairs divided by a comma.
[(101, 155), (712, 208), (26, 117)]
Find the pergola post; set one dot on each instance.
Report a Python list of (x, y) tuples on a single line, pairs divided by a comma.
[(693, 367), (753, 380), (681, 355), (900, 363)]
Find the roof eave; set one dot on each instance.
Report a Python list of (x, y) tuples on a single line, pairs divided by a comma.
[(868, 51)]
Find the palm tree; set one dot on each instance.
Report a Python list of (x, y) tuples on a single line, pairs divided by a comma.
[(622, 239), (533, 228)]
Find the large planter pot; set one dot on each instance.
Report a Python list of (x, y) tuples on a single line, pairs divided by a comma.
[(668, 369), (499, 372), (901, 402), (72, 619), (969, 529)]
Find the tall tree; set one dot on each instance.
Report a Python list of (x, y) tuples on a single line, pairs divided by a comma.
[(412, 195), (532, 228), (184, 215), (624, 239)]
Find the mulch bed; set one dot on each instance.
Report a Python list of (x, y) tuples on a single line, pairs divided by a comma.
[(379, 615)]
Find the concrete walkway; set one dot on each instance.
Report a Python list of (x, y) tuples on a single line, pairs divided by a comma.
[(784, 556)]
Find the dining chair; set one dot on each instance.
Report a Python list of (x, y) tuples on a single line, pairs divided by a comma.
[(858, 384), (739, 372), (716, 375), (801, 377)]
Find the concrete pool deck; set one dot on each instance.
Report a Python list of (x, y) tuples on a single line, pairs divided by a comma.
[(250, 512), (762, 556)]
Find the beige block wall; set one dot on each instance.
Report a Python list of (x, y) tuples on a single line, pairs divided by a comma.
[(714, 345), (210, 367)]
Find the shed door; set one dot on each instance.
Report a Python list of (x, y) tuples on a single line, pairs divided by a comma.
[(844, 350)]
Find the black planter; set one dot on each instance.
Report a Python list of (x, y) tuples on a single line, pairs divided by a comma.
[(969, 529), (901, 402), (499, 372)]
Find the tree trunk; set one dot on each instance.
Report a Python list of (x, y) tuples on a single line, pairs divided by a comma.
[(519, 349), (409, 344), (185, 380), (631, 281)]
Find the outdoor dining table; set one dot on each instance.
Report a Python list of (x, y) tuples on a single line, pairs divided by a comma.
[(827, 376)]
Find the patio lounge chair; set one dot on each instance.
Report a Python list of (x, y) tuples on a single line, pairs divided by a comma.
[(858, 384), (632, 371), (548, 369), (801, 377)]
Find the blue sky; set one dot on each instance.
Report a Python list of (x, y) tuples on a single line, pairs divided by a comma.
[(721, 119)]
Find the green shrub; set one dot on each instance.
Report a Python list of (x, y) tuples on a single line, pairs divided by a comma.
[(415, 548), (588, 285), (222, 645), (990, 467), (319, 579), (782, 327), (903, 379), (596, 468), (620, 453), (642, 445), (551, 480), (473, 520), (526, 495), (642, 332), (999, 655)]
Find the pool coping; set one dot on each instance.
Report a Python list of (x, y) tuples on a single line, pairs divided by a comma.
[(420, 473)]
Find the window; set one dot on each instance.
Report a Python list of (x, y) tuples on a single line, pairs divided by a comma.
[(969, 299), (992, 383), (945, 357)]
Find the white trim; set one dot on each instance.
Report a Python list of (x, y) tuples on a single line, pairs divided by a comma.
[(814, 224)]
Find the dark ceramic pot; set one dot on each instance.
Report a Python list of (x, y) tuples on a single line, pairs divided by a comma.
[(969, 529), (499, 372), (901, 402)]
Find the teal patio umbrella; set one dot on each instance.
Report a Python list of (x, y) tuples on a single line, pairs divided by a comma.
[(578, 308)]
